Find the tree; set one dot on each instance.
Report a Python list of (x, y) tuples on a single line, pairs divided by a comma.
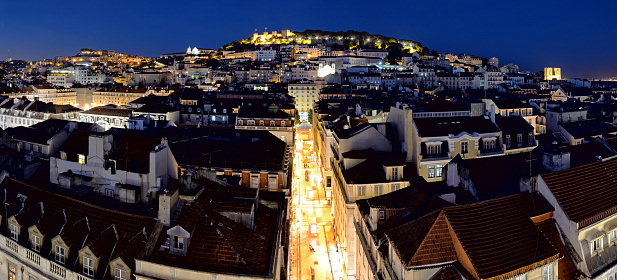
[(297, 118), (310, 116), (213, 63)]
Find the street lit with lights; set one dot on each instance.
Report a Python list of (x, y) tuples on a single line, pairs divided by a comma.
[(314, 253)]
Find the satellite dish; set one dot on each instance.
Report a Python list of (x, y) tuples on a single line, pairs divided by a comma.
[(107, 147)]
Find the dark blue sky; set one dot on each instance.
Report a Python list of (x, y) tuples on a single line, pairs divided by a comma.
[(578, 36)]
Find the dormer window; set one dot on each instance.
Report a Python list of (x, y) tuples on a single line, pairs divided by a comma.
[(35, 242), (521, 277), (261, 123), (88, 265), (178, 243), (595, 245), (81, 159), (395, 173), (60, 254), (120, 274), (14, 232)]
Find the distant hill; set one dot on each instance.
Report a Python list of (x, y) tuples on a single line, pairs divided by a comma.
[(337, 40)]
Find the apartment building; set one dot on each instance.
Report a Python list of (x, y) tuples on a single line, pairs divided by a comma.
[(305, 94), (586, 217)]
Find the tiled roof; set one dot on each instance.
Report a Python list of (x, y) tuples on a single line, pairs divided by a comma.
[(567, 269), (29, 134), (219, 244), (498, 237), (510, 104), (575, 187), (84, 222), (104, 111), (504, 227), (454, 125)]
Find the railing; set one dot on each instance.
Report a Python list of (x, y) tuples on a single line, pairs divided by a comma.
[(264, 127), (35, 262), (81, 277), (34, 257), (12, 245), (57, 270)]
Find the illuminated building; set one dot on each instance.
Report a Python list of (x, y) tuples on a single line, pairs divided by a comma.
[(552, 73)]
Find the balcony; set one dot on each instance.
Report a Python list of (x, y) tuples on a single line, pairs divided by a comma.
[(30, 259)]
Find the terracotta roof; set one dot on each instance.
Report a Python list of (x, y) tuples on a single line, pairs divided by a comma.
[(498, 236), (575, 187), (567, 269), (104, 242), (84, 222), (105, 111)]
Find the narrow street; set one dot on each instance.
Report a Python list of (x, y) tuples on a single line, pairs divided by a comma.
[(313, 250)]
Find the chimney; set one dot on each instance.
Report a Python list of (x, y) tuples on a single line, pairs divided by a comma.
[(493, 113)]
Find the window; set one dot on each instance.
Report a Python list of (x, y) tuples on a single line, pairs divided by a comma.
[(508, 141), (431, 171), (12, 272), (396, 187), (60, 254), (547, 272), (282, 123), (530, 139), (395, 173), (178, 242), (596, 245), (261, 123), (519, 140), (382, 215), (120, 274), (464, 147), (361, 190), (190, 109), (612, 236), (14, 232), (35, 242), (272, 123), (378, 189), (438, 169), (88, 266), (489, 144), (250, 122), (81, 159), (434, 149)]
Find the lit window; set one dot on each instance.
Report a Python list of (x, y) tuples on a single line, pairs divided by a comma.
[(60, 254), (88, 266), (508, 141), (81, 159), (120, 274), (35, 241), (14, 232), (178, 242), (396, 187), (438, 169), (261, 123), (431, 171), (395, 173)]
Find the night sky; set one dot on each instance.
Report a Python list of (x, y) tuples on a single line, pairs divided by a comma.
[(578, 36)]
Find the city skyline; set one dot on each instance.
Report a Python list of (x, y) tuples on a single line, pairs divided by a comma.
[(580, 40)]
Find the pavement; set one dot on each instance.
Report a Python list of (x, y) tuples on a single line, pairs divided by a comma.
[(311, 219)]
